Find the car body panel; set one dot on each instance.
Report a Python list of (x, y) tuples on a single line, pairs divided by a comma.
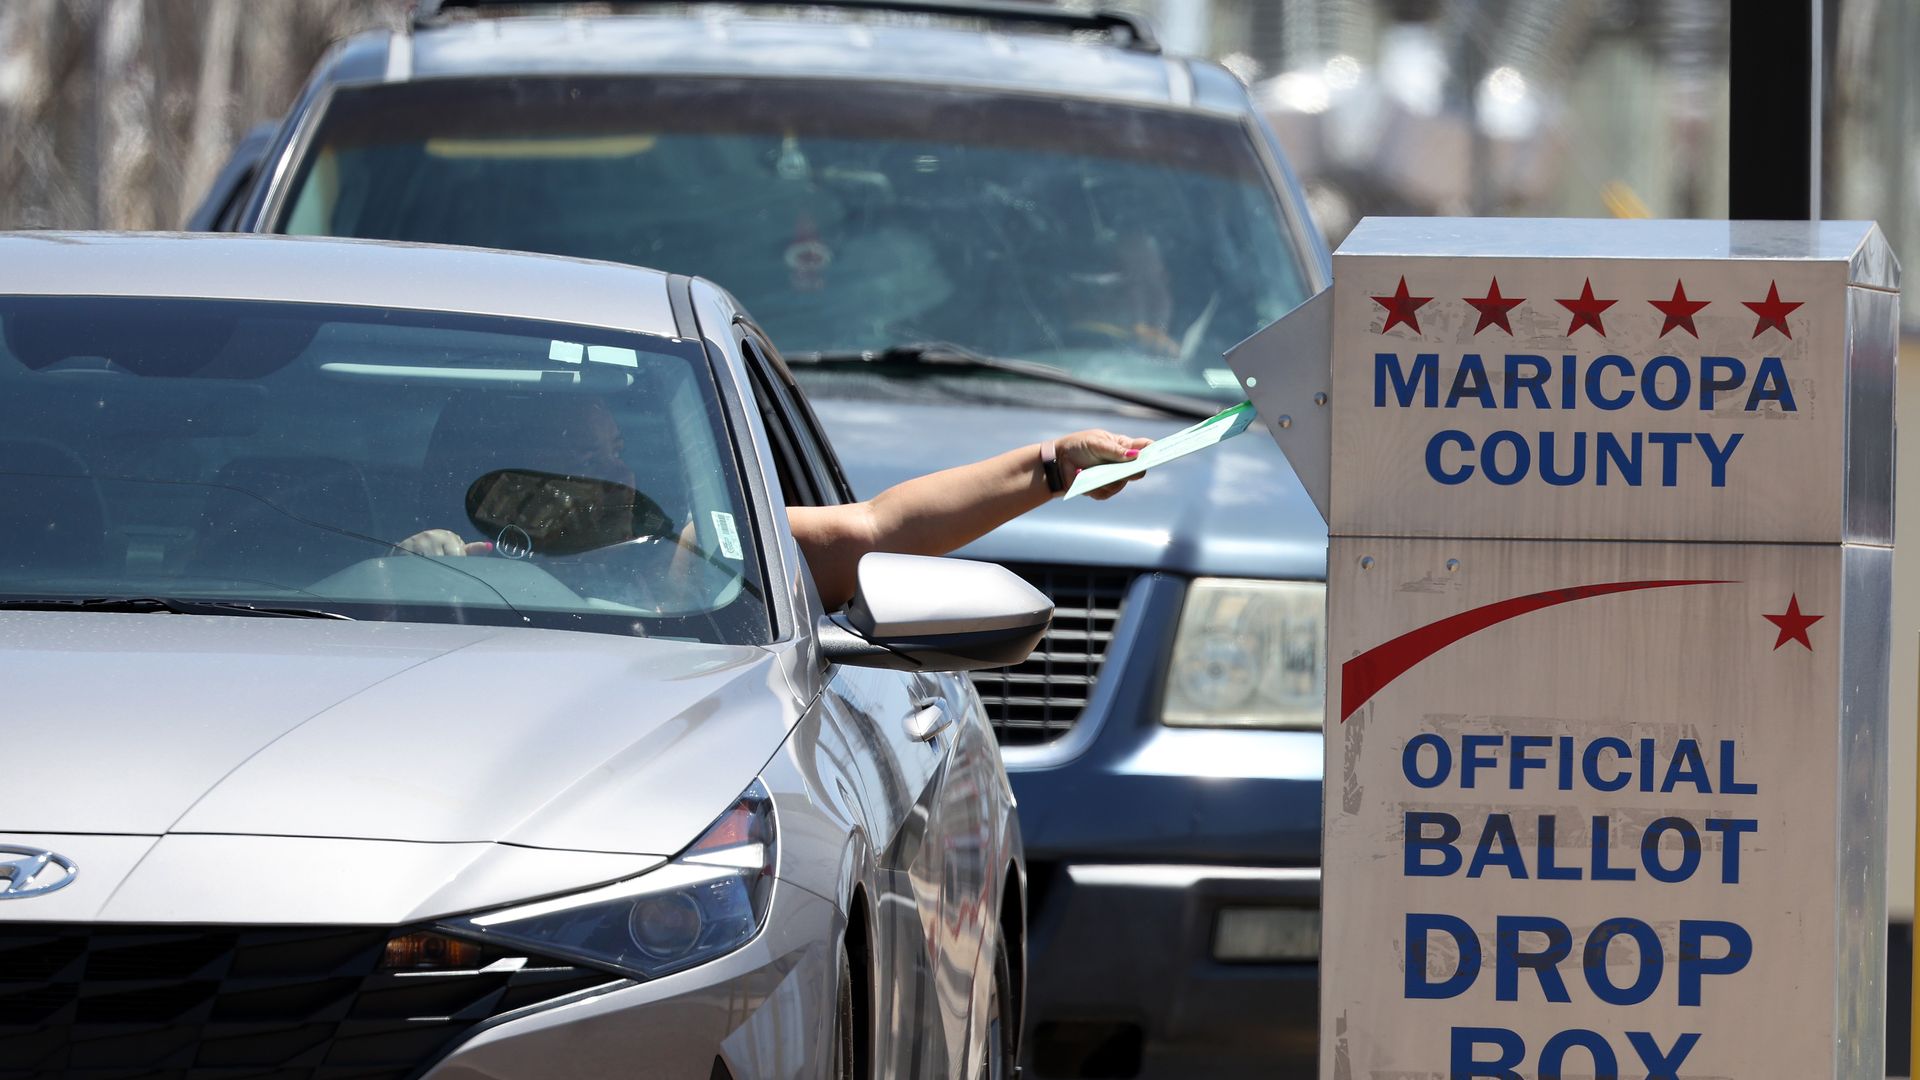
[(765, 1010), (299, 879), (288, 728), (222, 206), (1052, 63), (428, 277), (580, 742), (160, 714), (716, 317), (946, 844)]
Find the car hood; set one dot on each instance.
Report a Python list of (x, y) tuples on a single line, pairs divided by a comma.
[(1234, 510), (169, 725)]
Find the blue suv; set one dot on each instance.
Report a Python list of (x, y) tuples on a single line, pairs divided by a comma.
[(967, 226)]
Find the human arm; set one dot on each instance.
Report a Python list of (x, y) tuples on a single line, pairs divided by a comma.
[(941, 511)]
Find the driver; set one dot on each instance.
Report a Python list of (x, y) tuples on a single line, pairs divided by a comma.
[(573, 435), (927, 515)]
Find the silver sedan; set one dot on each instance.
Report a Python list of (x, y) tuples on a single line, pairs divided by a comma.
[(411, 672)]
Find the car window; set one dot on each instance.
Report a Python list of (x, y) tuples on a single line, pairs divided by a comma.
[(531, 473), (797, 482), (825, 484), (1127, 243)]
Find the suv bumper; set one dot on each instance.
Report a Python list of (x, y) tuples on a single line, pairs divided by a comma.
[(1138, 837), (1124, 981)]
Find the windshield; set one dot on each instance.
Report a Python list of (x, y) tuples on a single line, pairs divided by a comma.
[(1128, 245), (374, 463)]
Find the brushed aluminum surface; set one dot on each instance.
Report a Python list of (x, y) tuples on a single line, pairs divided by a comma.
[(1782, 457), (1723, 619), (1663, 664), (1873, 348), (1282, 371), (1862, 822), (1859, 245)]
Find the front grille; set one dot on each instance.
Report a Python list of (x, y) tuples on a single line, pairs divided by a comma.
[(1039, 700), (286, 1003)]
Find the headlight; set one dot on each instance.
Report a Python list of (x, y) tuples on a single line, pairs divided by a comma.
[(704, 904), (1249, 654)]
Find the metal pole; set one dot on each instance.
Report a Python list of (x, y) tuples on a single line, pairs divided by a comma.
[(1775, 69)]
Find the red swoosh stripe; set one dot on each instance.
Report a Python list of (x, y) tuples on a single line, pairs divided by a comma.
[(1369, 673)]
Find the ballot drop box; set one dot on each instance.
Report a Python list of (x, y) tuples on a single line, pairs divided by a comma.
[(1610, 515)]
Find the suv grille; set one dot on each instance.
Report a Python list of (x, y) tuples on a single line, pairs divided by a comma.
[(290, 1003), (1039, 700)]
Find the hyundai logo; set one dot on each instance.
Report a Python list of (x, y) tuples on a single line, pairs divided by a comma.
[(31, 871)]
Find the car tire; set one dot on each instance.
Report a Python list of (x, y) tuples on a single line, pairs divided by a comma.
[(845, 1028), (1003, 1024)]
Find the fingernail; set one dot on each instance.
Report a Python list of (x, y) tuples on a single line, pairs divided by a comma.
[(1133, 453)]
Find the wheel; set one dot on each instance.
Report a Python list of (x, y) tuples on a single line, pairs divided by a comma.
[(845, 1030), (1003, 1036)]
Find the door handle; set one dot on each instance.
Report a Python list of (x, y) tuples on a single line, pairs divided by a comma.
[(929, 719)]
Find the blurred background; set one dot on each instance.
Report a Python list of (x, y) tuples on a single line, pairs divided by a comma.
[(118, 113)]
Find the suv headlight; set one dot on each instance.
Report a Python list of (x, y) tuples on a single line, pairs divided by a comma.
[(1249, 654), (706, 903)]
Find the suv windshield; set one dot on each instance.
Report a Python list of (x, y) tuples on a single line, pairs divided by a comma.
[(1129, 245), (373, 463)]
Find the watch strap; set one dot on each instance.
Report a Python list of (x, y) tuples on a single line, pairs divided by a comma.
[(1050, 468)]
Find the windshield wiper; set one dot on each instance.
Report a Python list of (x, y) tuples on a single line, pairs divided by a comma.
[(165, 605), (940, 354)]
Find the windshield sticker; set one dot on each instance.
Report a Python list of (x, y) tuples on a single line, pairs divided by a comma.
[(567, 352), (613, 354), (1220, 378), (729, 536)]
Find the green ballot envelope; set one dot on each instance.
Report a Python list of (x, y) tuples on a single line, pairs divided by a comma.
[(1212, 431)]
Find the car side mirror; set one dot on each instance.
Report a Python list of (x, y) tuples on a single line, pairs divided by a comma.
[(914, 613)]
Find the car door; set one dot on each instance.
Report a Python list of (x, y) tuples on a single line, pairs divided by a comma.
[(898, 727)]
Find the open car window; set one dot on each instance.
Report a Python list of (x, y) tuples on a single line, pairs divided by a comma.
[(378, 463)]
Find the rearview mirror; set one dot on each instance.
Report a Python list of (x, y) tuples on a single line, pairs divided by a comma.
[(915, 613), (527, 512)]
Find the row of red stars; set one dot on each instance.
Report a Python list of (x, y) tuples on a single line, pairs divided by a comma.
[(1586, 309)]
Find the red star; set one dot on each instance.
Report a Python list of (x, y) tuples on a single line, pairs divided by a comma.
[(1773, 311), (1493, 308), (1586, 310), (1679, 311), (1793, 625), (1401, 307)]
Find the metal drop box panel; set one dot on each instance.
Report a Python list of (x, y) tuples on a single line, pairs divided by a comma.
[(1609, 592), (1645, 760), (1648, 380)]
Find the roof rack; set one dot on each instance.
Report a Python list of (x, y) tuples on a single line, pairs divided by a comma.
[(1126, 30)]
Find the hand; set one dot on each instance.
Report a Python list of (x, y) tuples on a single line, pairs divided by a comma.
[(440, 542), (1085, 449)]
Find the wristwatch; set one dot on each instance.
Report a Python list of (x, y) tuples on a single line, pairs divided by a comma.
[(1050, 467)]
